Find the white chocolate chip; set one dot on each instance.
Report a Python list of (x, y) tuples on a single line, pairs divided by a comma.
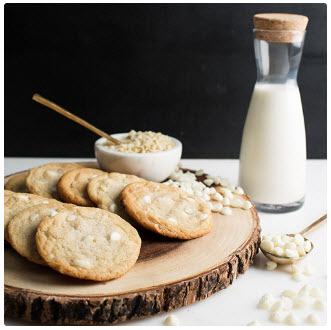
[(218, 197), (289, 293), (271, 265), (278, 305), (239, 191), (82, 263), (189, 199), (212, 191), (147, 199), (203, 216), (290, 246), (93, 176), (208, 182), (295, 269), (301, 250), (267, 237), (34, 217), (313, 319), (254, 323), (71, 217), (113, 208), (54, 213), (278, 241), (278, 251), (188, 210), (226, 210), (236, 202), (298, 239), (171, 320), (23, 197), (217, 207), (103, 188), (225, 192), (206, 197), (298, 277), (246, 205), (199, 173), (319, 305), (285, 238), (52, 174), (287, 303), (301, 301), (267, 245), (231, 187), (291, 253), (266, 301), (278, 316), (226, 201), (307, 246), (291, 319), (45, 202), (229, 194), (172, 219), (305, 290), (115, 236)]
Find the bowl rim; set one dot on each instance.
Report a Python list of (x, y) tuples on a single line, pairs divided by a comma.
[(98, 144)]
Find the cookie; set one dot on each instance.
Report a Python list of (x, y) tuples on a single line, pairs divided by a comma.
[(17, 183), (167, 210), (16, 203), (72, 187), (88, 243), (43, 180), (23, 227), (105, 191)]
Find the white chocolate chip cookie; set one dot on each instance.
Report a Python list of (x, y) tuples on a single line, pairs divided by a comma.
[(23, 227), (167, 210), (72, 187), (105, 191), (17, 183), (17, 202), (43, 180), (88, 243)]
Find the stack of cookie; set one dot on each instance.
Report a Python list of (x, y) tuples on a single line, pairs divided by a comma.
[(79, 220)]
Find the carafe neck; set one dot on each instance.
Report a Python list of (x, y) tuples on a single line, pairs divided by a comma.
[(278, 62)]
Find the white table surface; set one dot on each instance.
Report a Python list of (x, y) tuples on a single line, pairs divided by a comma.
[(236, 305)]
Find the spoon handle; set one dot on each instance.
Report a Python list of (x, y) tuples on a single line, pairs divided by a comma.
[(49, 104), (314, 225)]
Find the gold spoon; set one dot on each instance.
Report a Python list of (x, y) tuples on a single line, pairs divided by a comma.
[(307, 230), (38, 98)]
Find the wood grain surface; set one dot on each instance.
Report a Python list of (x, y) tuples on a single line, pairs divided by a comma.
[(168, 274)]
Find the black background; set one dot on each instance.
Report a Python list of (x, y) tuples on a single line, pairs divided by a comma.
[(187, 70)]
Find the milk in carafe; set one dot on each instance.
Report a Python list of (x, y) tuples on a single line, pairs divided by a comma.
[(273, 150)]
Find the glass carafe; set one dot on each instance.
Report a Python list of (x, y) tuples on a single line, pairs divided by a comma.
[(273, 150)]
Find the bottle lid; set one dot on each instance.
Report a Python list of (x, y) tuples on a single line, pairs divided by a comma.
[(273, 27)]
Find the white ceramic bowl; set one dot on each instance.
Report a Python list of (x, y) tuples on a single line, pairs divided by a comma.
[(154, 166)]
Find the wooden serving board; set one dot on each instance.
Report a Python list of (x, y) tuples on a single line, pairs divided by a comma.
[(168, 274)]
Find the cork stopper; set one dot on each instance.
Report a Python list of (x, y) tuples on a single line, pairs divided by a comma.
[(274, 27)]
